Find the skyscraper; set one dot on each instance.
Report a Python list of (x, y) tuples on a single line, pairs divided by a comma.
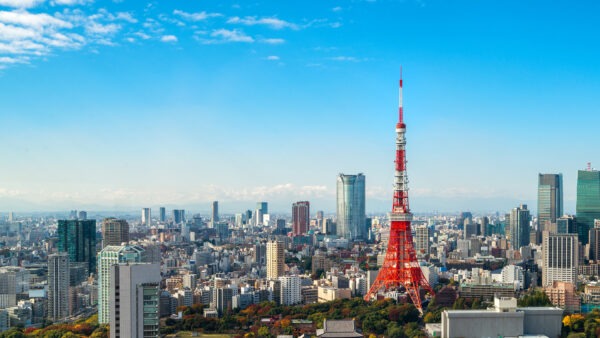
[(146, 217), (560, 258), (351, 207), (275, 259), (300, 217), (78, 239), (215, 212), (588, 201), (134, 296), (519, 226), (108, 257), (114, 231), (263, 207), (550, 200), (178, 216), (58, 286), (162, 215)]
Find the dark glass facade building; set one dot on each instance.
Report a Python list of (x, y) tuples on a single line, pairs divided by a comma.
[(588, 202), (550, 200), (78, 239)]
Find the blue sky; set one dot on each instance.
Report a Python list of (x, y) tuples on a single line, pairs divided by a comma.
[(123, 104)]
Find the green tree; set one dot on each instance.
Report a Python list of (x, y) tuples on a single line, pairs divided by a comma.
[(264, 332)]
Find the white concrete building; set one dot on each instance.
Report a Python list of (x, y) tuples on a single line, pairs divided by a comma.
[(504, 320)]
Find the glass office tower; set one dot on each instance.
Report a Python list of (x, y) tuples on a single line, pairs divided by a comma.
[(351, 216), (588, 202)]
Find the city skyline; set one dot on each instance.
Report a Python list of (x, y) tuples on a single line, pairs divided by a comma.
[(209, 98)]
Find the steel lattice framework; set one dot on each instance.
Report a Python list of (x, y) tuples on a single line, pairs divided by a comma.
[(401, 268)]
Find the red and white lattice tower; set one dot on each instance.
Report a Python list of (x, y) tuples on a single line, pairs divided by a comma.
[(401, 268)]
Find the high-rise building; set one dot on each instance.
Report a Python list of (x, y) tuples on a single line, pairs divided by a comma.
[(134, 296), (588, 202), (351, 207), (483, 226), (58, 286), (300, 217), (239, 220), (178, 216), (108, 257), (14, 284), (275, 259), (550, 200), (263, 207), (329, 227), (560, 254), (422, 240), (78, 238), (214, 212), (162, 214), (595, 244), (82, 215), (566, 225), (114, 231), (320, 215), (259, 255), (290, 290), (147, 217), (519, 226)]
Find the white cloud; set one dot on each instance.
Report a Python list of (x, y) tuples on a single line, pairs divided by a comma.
[(12, 60), (24, 18), (271, 22), (200, 16), (335, 24), (142, 35), (126, 16), (336, 9), (9, 32), (225, 35), (272, 41), (272, 58), (20, 3), (168, 38), (94, 27), (345, 59), (70, 2)]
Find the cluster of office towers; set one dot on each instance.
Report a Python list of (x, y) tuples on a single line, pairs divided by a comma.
[(563, 237), (128, 279)]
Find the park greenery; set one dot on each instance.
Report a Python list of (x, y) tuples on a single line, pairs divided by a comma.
[(81, 328)]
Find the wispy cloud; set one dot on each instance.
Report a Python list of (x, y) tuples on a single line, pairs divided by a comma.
[(71, 2), (200, 16), (271, 22), (337, 9), (225, 36), (272, 41), (346, 59), (168, 38), (272, 58), (20, 3)]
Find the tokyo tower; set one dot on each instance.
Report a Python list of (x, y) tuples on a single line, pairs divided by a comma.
[(400, 268)]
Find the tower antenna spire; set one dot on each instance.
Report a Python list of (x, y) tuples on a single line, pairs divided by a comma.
[(400, 268), (400, 103)]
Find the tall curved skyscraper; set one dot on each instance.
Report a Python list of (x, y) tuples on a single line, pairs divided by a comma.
[(351, 207)]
